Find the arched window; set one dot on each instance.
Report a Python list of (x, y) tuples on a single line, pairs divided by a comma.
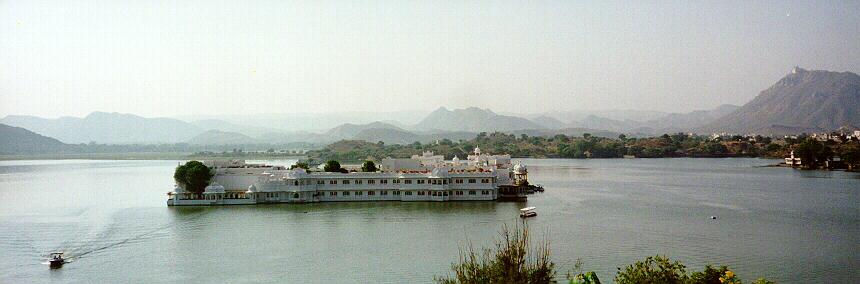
[(295, 195)]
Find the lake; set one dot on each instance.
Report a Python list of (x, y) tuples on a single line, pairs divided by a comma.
[(110, 217)]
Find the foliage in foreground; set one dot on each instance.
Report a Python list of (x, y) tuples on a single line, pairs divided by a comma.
[(661, 269), (512, 260), (194, 176)]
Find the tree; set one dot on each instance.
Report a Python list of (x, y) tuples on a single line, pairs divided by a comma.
[(512, 260), (368, 166), (300, 165), (333, 166), (851, 157), (586, 135), (654, 269), (812, 153), (659, 269), (194, 176), (622, 137)]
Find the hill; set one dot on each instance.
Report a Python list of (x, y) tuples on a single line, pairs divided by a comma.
[(218, 137), (473, 119), (804, 99), (548, 122), (17, 140), (112, 128), (349, 130), (684, 122)]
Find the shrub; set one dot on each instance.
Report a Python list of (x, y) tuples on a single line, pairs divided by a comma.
[(512, 260)]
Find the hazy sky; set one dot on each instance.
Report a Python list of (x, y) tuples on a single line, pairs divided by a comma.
[(165, 58)]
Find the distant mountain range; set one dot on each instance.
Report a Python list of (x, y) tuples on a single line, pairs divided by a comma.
[(807, 100), (803, 101), (16, 140), (474, 120), (111, 128)]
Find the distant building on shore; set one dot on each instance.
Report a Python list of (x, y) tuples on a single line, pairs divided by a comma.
[(792, 160)]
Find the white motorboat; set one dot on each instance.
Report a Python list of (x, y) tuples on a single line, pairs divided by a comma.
[(528, 212)]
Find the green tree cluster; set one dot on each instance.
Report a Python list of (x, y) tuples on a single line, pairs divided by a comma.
[(368, 167), (813, 154), (194, 176), (300, 165), (333, 166), (563, 146)]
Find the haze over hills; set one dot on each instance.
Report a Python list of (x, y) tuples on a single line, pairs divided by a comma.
[(112, 128), (803, 101), (218, 137), (17, 140), (349, 130), (473, 119), (806, 100)]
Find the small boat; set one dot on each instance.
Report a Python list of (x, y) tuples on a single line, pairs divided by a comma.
[(56, 260), (527, 212)]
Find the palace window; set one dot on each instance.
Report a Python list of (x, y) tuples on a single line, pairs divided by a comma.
[(346, 193), (332, 193), (459, 180), (408, 192), (383, 192), (420, 181), (444, 181), (358, 181), (371, 192), (396, 192), (485, 192), (334, 181), (384, 181), (359, 193), (408, 181), (420, 193), (471, 192), (295, 182), (395, 181), (346, 181), (471, 180), (371, 181), (320, 182)]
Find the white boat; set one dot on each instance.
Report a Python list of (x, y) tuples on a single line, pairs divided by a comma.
[(528, 212)]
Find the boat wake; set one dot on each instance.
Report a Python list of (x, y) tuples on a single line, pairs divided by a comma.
[(91, 247)]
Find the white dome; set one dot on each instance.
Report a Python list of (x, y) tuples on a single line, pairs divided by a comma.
[(477, 150), (455, 159), (439, 172), (214, 188), (251, 189)]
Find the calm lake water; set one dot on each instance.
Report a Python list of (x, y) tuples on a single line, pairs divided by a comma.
[(110, 217)]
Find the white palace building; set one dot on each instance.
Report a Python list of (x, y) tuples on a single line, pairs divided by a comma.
[(425, 177)]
